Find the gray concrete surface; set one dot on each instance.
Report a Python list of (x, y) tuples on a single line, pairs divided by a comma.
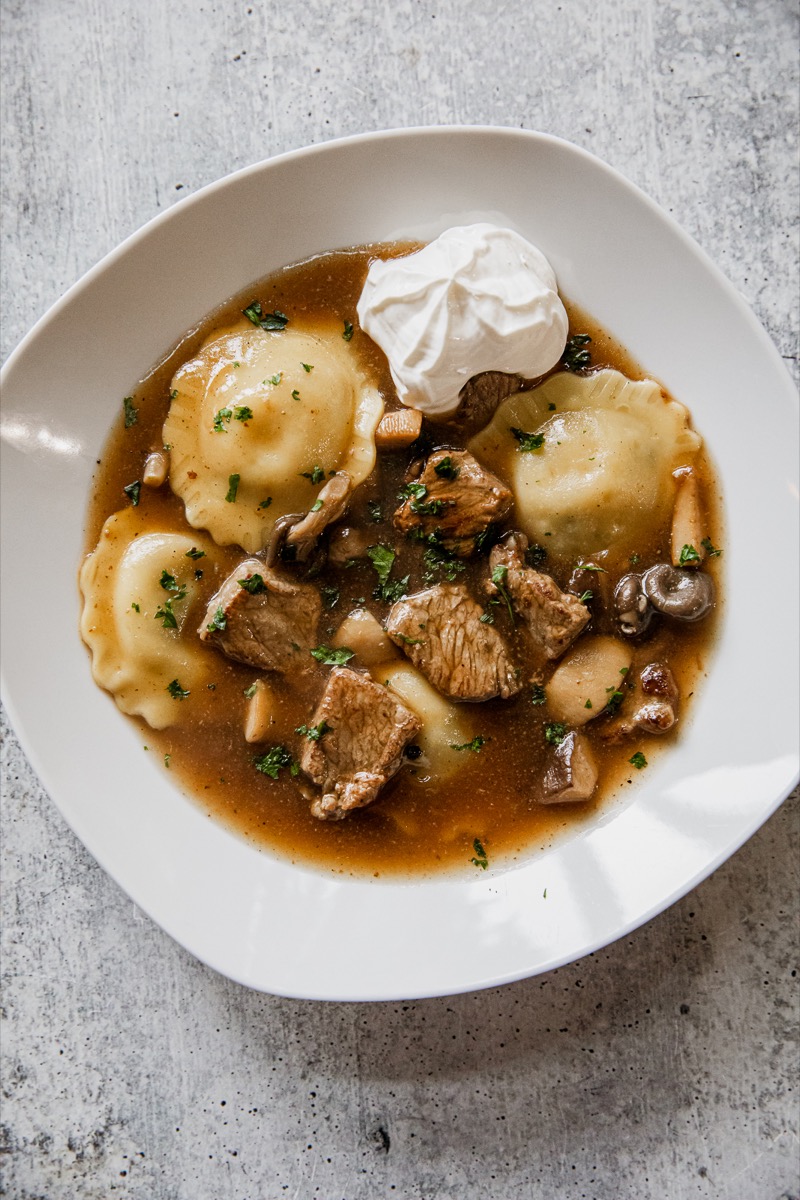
[(663, 1067)]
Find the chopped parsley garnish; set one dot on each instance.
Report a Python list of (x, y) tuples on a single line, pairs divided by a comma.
[(688, 555), (314, 732), (266, 503), (173, 394), (486, 619), (555, 732), (535, 555), (588, 704), (273, 762), (480, 859), (332, 658), (348, 330), (614, 700), (295, 394), (273, 321), (330, 596), (131, 412), (475, 745), (254, 584), (135, 607), (167, 759), (711, 550), (316, 506), (590, 567), (133, 491), (585, 597), (447, 468), (251, 691), (538, 694), (407, 641), (220, 621), (176, 691), (527, 441), (437, 561), (307, 367), (415, 493), (233, 487), (575, 358), (382, 559), (634, 558), (314, 476), (275, 379), (499, 577), (242, 413), (195, 553), (375, 511), (638, 760), (169, 583), (164, 613), (222, 416), (166, 616)]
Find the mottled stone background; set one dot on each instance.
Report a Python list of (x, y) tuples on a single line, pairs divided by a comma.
[(660, 1069)]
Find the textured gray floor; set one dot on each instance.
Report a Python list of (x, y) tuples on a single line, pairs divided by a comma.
[(663, 1067)]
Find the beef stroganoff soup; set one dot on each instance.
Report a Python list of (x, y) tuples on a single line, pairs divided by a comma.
[(385, 637)]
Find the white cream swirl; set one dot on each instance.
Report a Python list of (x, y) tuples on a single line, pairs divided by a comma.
[(478, 298)]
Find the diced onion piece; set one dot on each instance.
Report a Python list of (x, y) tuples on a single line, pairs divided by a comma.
[(586, 680), (444, 725), (260, 719)]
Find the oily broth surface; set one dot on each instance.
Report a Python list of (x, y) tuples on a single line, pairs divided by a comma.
[(416, 826)]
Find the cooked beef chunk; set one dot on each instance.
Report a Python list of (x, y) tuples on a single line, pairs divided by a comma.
[(572, 773), (554, 618), (455, 499), (480, 398), (442, 633), (365, 731), (263, 619)]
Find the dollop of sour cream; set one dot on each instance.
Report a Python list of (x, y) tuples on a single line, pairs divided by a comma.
[(478, 298)]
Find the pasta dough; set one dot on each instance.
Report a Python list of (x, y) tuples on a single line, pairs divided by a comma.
[(255, 414), (128, 578), (444, 725), (603, 474)]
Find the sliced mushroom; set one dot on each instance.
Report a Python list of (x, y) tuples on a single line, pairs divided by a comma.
[(156, 469), (687, 521), (279, 533), (329, 506), (685, 595), (572, 774), (397, 430), (633, 609), (348, 542)]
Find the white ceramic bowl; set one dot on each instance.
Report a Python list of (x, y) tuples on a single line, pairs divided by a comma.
[(286, 929)]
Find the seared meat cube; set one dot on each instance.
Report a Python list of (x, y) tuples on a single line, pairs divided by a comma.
[(365, 730), (554, 618), (480, 398), (454, 498), (572, 775), (442, 633), (261, 618)]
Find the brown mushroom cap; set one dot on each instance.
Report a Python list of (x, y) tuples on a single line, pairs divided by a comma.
[(686, 595), (632, 606)]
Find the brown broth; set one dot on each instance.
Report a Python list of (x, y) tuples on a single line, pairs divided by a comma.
[(416, 826)]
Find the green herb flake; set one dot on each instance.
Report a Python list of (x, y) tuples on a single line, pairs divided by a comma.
[(254, 584), (348, 330), (135, 607), (588, 704), (615, 698), (220, 621), (251, 691), (479, 859), (273, 321), (173, 394), (710, 549), (634, 558), (447, 468), (535, 555), (273, 762), (486, 619), (131, 412), (275, 379), (374, 511), (575, 357), (499, 577), (195, 553), (307, 367), (551, 407), (167, 759), (528, 442), (295, 394), (166, 616), (314, 476), (687, 556), (314, 732), (638, 760), (408, 641), (330, 596), (475, 745), (222, 416), (585, 597), (316, 506), (168, 582), (242, 413), (538, 694), (176, 691), (266, 503), (233, 487), (133, 491), (332, 658), (554, 733)]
